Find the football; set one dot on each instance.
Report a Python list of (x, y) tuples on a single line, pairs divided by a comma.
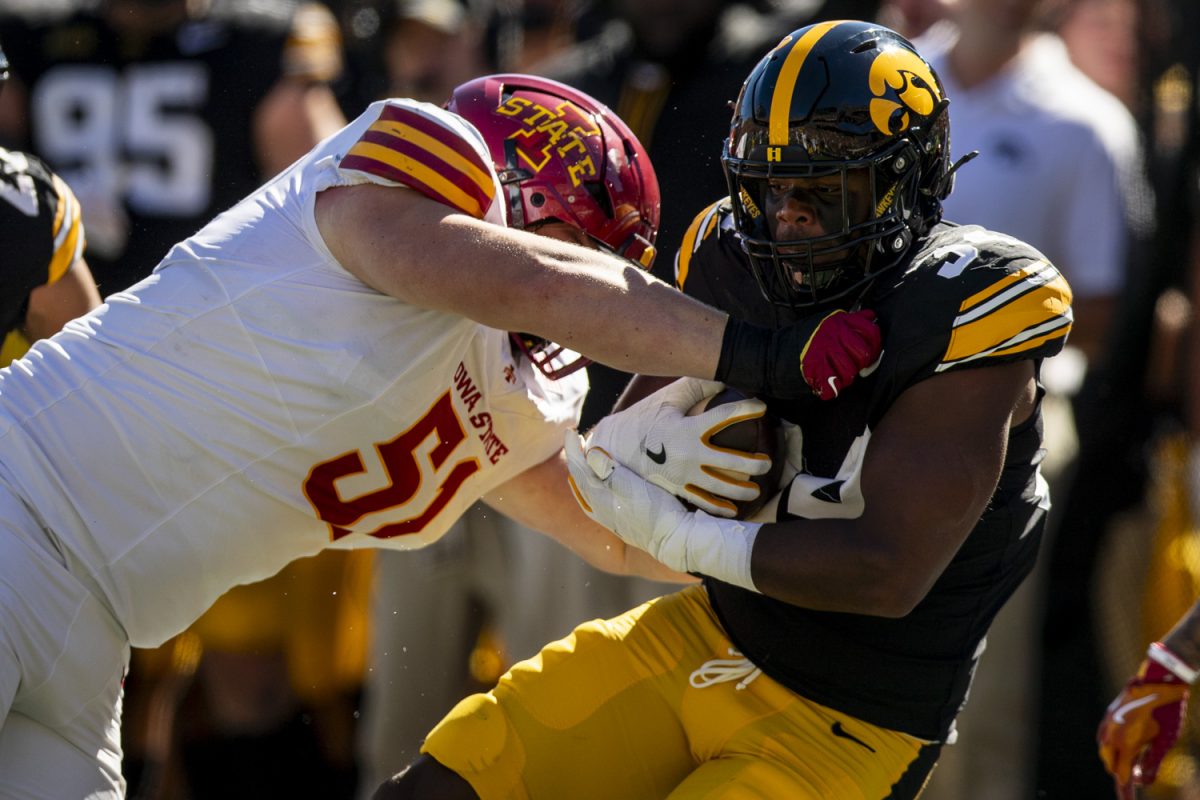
[(762, 435)]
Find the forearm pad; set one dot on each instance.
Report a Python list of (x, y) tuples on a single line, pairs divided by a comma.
[(744, 353)]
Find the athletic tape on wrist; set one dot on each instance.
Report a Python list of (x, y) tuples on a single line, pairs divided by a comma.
[(721, 549), (1159, 654), (744, 356)]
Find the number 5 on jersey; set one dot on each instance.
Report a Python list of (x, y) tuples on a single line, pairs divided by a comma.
[(405, 473)]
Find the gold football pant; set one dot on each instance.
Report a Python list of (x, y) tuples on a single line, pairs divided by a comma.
[(656, 704)]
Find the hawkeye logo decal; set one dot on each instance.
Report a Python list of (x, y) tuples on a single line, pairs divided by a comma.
[(553, 132), (902, 85)]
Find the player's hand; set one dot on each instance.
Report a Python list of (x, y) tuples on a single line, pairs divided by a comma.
[(1141, 725), (640, 513), (836, 349), (656, 439), (821, 355), (654, 520)]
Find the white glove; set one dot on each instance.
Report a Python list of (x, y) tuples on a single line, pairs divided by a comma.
[(656, 439), (654, 520)]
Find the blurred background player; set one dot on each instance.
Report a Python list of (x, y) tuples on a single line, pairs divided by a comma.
[(1144, 721), (44, 277)]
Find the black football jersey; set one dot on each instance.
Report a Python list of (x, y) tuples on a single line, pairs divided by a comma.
[(155, 135), (42, 236), (967, 298)]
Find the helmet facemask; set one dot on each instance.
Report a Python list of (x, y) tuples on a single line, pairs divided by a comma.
[(864, 211)]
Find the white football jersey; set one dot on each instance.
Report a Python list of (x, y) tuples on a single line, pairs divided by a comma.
[(251, 402)]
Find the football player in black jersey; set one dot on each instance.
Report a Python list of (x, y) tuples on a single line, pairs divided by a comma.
[(44, 279), (832, 642), (163, 113)]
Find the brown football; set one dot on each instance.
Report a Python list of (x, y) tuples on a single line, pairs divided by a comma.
[(762, 435)]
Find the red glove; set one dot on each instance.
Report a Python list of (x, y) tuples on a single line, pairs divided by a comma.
[(1143, 722), (841, 345), (831, 351)]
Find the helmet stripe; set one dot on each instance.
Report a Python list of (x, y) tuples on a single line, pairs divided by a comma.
[(781, 99)]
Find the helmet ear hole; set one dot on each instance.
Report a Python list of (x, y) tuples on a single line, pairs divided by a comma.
[(600, 197), (537, 199)]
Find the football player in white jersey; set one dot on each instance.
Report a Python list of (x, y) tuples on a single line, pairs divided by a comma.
[(327, 364)]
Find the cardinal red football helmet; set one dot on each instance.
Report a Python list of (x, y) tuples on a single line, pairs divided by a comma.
[(563, 155)]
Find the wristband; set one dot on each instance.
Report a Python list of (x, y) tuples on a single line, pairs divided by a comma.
[(744, 351), (721, 549), (1159, 654)]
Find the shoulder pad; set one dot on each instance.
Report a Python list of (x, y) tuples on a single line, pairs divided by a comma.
[(1007, 301), (714, 217), (428, 149)]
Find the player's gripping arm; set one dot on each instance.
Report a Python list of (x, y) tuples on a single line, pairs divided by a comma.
[(1142, 723), (423, 252), (931, 466)]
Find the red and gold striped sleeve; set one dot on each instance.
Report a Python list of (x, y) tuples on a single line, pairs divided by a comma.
[(1025, 313), (417, 150)]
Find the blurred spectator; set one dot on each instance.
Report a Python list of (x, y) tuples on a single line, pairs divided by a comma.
[(1060, 167), (913, 18), (478, 36), (1102, 38), (525, 33), (431, 46)]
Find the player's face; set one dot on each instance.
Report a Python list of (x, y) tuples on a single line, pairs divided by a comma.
[(803, 208)]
